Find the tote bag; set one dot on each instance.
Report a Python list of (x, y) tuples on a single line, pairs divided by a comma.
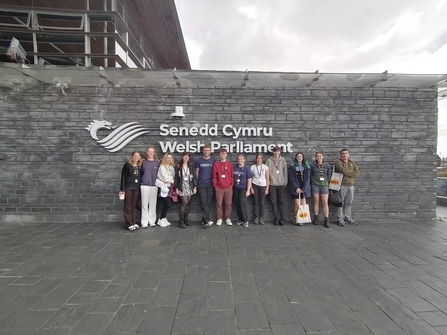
[(336, 179), (303, 214)]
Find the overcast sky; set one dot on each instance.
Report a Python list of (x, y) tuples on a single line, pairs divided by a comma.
[(401, 36)]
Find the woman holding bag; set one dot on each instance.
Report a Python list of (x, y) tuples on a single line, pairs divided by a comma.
[(165, 180), (299, 183), (130, 189)]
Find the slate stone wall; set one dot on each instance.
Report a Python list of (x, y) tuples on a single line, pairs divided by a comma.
[(52, 170)]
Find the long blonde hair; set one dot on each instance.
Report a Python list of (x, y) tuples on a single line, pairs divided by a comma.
[(164, 160), (150, 147)]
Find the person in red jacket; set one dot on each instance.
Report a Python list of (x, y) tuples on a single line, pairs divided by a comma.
[(223, 181)]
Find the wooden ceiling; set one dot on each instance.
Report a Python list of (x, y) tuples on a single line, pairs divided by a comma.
[(156, 19)]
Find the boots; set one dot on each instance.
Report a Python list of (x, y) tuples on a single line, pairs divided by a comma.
[(326, 222), (182, 225), (315, 220)]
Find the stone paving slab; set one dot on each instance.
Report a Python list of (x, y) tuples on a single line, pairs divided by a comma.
[(98, 278)]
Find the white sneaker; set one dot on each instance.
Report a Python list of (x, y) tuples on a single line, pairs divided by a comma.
[(219, 222), (162, 223), (228, 222), (167, 222), (152, 224)]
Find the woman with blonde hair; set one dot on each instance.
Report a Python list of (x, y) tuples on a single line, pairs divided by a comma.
[(165, 180), (130, 188)]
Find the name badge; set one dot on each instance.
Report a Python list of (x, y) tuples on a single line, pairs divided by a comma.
[(322, 178), (136, 181), (186, 178), (277, 172), (223, 176), (238, 181)]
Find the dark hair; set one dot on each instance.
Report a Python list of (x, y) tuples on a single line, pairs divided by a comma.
[(223, 150), (300, 153), (344, 150), (186, 153), (276, 149)]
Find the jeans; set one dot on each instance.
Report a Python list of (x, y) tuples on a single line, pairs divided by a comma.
[(206, 194), (347, 196)]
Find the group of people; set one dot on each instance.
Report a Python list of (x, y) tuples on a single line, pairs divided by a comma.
[(167, 181)]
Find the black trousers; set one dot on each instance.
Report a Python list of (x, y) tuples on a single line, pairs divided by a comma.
[(259, 200), (206, 196), (277, 197), (167, 203), (241, 201)]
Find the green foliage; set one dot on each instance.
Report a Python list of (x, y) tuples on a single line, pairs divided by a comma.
[(442, 173)]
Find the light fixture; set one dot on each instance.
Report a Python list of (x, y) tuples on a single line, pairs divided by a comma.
[(15, 51), (178, 114)]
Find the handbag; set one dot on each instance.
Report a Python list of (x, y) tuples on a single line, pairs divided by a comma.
[(303, 214), (336, 179), (173, 193), (335, 198)]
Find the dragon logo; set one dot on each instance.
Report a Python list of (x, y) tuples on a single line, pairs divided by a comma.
[(119, 137)]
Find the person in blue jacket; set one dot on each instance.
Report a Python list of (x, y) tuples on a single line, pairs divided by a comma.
[(299, 182)]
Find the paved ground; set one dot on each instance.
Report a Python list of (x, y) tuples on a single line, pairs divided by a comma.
[(100, 279)]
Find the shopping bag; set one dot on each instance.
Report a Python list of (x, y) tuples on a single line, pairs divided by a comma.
[(335, 198), (336, 179), (303, 214)]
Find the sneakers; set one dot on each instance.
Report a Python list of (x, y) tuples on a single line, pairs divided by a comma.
[(261, 221), (341, 222), (256, 221), (151, 225), (228, 222), (246, 224), (163, 222), (207, 224), (144, 226), (239, 222), (132, 228), (351, 222), (219, 222), (167, 222)]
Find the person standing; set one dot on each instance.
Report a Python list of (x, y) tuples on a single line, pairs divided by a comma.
[(185, 184), (130, 188), (204, 175), (299, 182), (149, 170), (350, 172), (320, 175), (278, 179), (242, 189), (165, 176), (259, 187), (223, 181)]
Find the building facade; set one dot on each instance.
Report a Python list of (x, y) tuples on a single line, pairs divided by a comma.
[(65, 133)]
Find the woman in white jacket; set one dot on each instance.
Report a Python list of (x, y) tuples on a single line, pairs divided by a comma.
[(165, 177)]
